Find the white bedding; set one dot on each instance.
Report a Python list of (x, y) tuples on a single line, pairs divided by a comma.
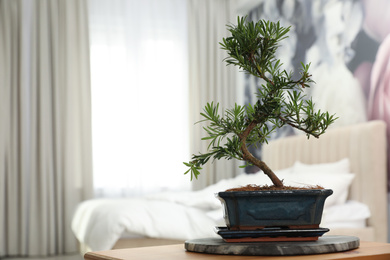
[(99, 223)]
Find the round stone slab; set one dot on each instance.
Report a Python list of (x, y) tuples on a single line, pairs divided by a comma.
[(325, 244)]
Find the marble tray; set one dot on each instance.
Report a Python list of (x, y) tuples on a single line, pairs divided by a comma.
[(325, 244)]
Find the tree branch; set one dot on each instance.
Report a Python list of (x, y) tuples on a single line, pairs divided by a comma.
[(298, 127)]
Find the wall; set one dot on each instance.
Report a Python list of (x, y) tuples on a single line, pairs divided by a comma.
[(348, 45)]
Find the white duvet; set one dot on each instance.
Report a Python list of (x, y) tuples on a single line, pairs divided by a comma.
[(99, 223)]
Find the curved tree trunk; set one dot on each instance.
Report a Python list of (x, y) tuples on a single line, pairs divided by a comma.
[(248, 156)]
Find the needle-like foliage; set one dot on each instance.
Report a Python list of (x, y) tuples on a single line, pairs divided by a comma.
[(280, 99)]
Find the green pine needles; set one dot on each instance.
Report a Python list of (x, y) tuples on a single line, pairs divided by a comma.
[(280, 100)]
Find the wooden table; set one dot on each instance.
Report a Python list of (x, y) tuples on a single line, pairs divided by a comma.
[(366, 251)]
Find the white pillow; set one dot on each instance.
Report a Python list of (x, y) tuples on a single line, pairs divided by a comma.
[(339, 183), (205, 198), (351, 210), (341, 166)]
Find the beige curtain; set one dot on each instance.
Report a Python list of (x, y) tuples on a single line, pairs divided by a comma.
[(209, 77), (45, 135)]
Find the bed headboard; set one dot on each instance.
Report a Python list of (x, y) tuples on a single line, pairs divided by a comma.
[(365, 146)]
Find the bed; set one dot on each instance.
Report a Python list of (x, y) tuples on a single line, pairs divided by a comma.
[(351, 160)]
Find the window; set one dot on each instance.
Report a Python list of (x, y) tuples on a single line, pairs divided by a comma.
[(139, 96)]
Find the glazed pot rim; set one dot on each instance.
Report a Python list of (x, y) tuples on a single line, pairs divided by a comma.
[(275, 192)]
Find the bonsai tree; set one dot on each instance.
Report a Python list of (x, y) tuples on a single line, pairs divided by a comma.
[(280, 100)]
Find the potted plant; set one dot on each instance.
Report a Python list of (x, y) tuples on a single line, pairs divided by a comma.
[(280, 101)]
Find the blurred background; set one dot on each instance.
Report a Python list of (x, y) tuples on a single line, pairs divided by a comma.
[(99, 97)]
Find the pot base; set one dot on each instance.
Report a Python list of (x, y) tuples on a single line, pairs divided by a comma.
[(270, 234), (238, 228)]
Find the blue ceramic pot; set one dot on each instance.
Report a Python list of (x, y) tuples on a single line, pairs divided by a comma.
[(251, 210)]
